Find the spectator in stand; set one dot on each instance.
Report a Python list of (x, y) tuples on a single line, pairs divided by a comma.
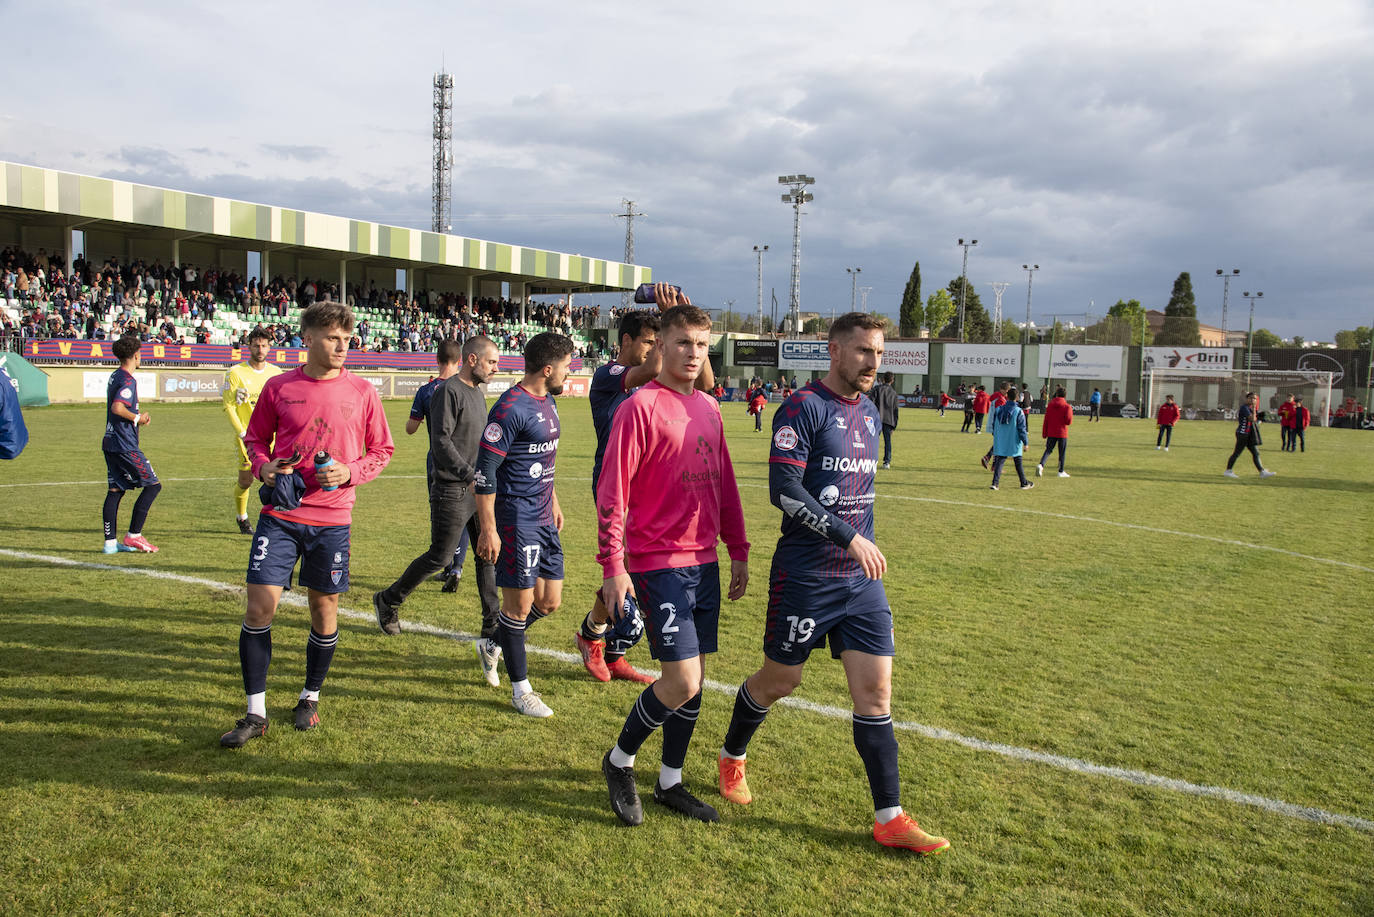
[(1166, 417), (1055, 430)]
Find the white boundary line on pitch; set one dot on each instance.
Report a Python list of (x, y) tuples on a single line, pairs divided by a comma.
[(1014, 752), (1215, 539)]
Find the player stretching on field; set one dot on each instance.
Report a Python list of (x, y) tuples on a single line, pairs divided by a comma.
[(826, 581), (242, 386), (126, 467), (667, 494), (318, 407), (518, 512)]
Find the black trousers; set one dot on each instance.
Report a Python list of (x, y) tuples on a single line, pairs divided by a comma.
[(1298, 438), (1244, 442), (1050, 443), (452, 509), (1166, 433)]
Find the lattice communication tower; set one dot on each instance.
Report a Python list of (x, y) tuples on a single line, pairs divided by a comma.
[(628, 215), (443, 152), (998, 288)]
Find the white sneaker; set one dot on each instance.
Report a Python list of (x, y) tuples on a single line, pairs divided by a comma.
[(1157, 448), (1166, 448), (1229, 473), (1063, 474), (531, 704), (992, 487), (488, 657), (1039, 470), (1267, 473)]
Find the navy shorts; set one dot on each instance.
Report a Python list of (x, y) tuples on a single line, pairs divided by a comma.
[(321, 549), (528, 552), (804, 610), (681, 608), (129, 470)]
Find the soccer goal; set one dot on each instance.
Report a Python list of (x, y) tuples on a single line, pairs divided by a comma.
[(1217, 396)]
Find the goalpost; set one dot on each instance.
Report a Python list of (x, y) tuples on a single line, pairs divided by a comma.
[(1217, 396)]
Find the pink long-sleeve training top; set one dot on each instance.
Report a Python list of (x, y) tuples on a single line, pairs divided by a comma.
[(667, 490), (343, 416)]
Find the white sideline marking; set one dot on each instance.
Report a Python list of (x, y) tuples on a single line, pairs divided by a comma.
[(1215, 539), (1075, 765)]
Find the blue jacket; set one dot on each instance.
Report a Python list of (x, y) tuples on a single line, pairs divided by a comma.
[(14, 435), (1009, 431)]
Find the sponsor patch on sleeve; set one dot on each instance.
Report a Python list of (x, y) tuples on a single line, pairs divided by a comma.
[(492, 433), (617, 368), (785, 439), (126, 393)]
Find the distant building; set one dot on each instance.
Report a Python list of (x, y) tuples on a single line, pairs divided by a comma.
[(1210, 335)]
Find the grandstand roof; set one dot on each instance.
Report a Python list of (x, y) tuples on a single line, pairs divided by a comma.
[(39, 196)]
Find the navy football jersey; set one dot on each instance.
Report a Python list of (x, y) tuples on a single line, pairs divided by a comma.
[(834, 443), (607, 393), (516, 461), (419, 408), (120, 435)]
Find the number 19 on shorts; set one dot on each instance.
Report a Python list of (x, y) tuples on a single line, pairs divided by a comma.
[(799, 630)]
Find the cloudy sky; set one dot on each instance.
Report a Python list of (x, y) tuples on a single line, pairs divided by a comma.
[(1113, 144)]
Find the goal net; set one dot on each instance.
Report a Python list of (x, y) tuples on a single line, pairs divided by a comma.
[(1218, 396)]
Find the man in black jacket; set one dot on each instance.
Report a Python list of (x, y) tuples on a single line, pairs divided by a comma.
[(885, 397), (457, 414)]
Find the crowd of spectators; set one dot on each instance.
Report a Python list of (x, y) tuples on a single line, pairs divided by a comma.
[(159, 302)]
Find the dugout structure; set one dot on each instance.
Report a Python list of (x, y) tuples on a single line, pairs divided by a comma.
[(1217, 396)]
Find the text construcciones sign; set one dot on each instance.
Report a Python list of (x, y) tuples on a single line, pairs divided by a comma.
[(756, 353), (1081, 361), (982, 359)]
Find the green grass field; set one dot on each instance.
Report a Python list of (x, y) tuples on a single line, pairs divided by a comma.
[(1145, 614)]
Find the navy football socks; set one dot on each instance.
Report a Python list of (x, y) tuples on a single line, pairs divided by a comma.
[(510, 633), (677, 732), (255, 655), (744, 722), (877, 745), (319, 653), (646, 715)]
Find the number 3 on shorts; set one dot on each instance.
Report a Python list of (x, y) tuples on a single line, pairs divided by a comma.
[(262, 548), (668, 626)]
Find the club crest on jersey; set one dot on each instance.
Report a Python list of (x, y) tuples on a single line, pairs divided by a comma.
[(492, 433), (785, 439), (868, 422), (126, 393), (617, 369)]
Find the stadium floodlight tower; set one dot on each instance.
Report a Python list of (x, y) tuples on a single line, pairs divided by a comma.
[(796, 196), (628, 215), (963, 283), (853, 273), (1030, 270), (1225, 295), (758, 252), (443, 152)]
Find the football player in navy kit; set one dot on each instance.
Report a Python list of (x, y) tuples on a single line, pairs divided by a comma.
[(127, 468), (826, 578), (519, 532)]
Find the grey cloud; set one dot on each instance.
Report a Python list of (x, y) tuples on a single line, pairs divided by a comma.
[(299, 152)]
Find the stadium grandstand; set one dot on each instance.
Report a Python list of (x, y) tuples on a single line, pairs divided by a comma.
[(180, 268)]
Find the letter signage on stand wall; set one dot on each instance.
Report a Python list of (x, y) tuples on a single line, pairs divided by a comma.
[(900, 357), (805, 355), (982, 359), (1081, 361)]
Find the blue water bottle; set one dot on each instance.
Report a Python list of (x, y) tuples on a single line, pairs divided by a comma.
[(323, 461)]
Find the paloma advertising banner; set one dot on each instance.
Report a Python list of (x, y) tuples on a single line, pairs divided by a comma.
[(1081, 361), (982, 359), (1200, 361), (804, 355), (899, 357)]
